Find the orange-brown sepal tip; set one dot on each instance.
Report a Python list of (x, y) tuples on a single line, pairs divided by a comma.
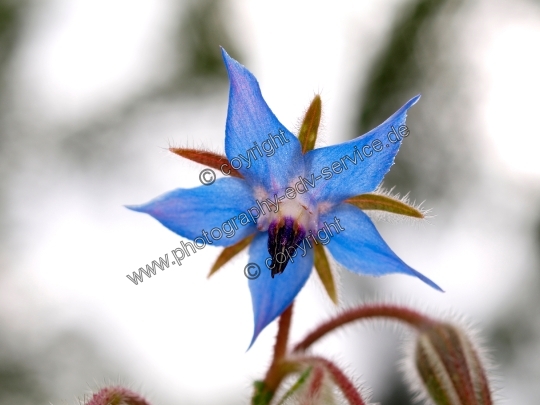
[(209, 159)]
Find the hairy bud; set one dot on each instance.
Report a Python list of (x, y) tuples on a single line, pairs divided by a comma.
[(116, 396), (313, 387), (450, 368)]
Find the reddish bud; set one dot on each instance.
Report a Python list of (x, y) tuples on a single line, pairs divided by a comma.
[(449, 367), (116, 396)]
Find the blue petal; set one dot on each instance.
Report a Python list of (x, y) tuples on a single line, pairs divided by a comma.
[(252, 126), (190, 212), (271, 296), (358, 173), (360, 247)]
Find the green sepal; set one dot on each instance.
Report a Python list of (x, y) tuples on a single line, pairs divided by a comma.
[(261, 396), (372, 201), (325, 274), (229, 252)]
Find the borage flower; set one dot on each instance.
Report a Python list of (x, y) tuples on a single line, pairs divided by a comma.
[(303, 198)]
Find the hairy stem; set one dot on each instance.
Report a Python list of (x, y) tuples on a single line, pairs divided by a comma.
[(408, 316), (276, 372)]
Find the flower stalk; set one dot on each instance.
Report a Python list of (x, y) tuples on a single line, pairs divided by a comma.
[(266, 389), (402, 314)]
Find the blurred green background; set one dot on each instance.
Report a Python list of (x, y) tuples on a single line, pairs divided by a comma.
[(93, 92)]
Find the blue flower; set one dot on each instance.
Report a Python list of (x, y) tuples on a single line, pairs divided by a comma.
[(303, 199)]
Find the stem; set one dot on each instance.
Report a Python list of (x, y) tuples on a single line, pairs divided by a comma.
[(276, 372), (408, 316), (282, 338)]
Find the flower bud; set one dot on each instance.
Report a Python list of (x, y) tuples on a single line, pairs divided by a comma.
[(450, 368), (313, 387), (116, 396)]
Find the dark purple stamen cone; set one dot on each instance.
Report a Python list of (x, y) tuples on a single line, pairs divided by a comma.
[(283, 238)]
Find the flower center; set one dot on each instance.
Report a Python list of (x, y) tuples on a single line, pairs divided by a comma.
[(292, 222), (283, 237)]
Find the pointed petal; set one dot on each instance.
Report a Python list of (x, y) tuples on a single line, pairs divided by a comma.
[(260, 147), (371, 201), (360, 247), (325, 274), (191, 212), (271, 296), (209, 159), (229, 252), (360, 164)]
